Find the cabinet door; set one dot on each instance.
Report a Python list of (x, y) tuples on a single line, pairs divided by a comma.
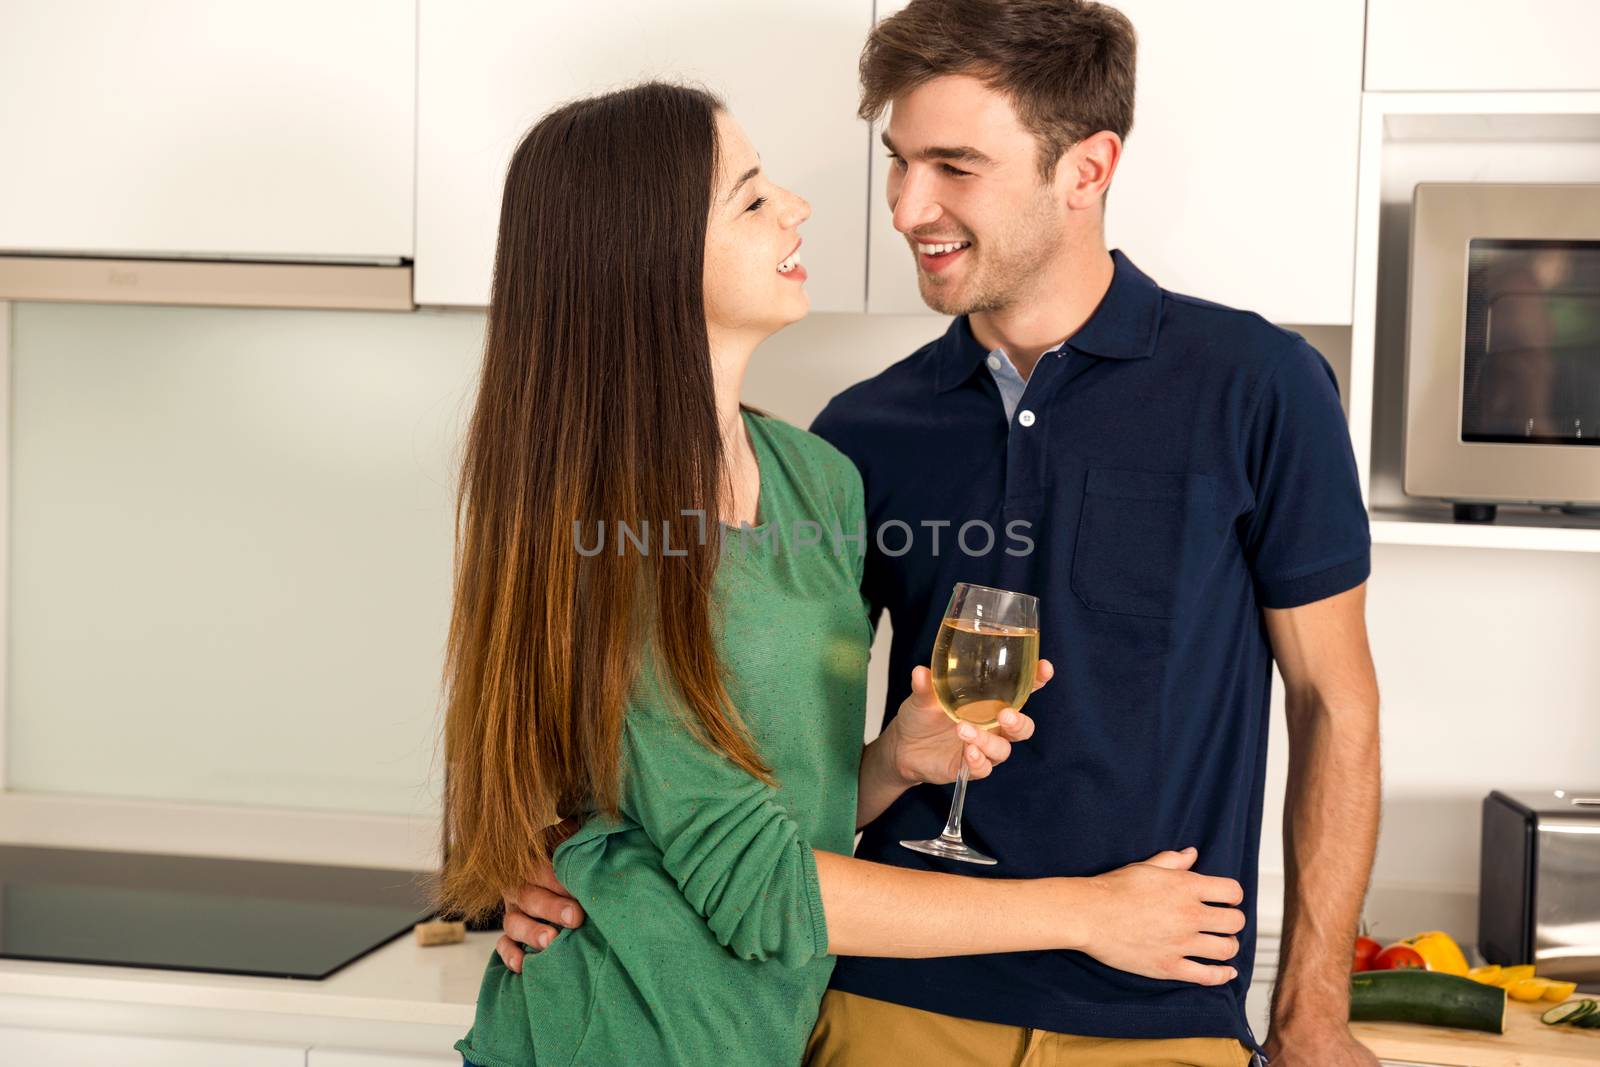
[(1476, 44), (327, 1057), (490, 68), (1238, 181), (65, 1048), (202, 127)]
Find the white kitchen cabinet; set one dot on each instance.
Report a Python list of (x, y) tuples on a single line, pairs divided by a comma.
[(215, 128), (1482, 45), (326, 1057), (65, 1048), (490, 68), (1238, 181)]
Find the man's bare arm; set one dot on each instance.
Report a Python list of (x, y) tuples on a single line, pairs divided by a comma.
[(1330, 823)]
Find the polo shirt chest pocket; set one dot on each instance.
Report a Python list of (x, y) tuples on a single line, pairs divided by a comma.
[(1142, 535)]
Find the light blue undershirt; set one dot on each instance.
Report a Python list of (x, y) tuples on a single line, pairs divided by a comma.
[(1011, 382)]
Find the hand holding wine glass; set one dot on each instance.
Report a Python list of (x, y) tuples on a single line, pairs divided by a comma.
[(929, 748), (985, 659)]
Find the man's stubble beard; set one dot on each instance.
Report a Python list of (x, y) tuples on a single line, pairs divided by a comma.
[(999, 285), (983, 301)]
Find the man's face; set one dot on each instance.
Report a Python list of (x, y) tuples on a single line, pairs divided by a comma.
[(964, 171)]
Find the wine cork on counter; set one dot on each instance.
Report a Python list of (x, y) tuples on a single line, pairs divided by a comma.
[(439, 932)]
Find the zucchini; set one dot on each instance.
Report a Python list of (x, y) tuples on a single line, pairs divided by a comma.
[(1570, 1012), (1428, 998), (1589, 1020)]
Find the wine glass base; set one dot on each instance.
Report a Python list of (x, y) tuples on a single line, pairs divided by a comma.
[(947, 849)]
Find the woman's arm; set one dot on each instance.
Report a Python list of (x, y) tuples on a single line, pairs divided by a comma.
[(741, 862), (766, 893), (1144, 918), (1139, 918)]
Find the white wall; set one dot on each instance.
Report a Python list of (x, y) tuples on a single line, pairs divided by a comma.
[(1487, 662), (230, 537)]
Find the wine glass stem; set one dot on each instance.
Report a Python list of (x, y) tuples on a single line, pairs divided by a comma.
[(952, 828)]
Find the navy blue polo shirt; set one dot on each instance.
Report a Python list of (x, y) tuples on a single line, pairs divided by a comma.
[(1177, 467)]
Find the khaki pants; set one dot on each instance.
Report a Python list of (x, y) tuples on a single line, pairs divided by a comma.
[(857, 1031)]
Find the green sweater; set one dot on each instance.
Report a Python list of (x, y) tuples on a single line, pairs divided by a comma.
[(705, 943)]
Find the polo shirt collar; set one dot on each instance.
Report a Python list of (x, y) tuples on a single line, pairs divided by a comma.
[(1123, 326)]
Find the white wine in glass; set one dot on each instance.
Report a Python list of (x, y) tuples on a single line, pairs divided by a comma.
[(987, 668), (984, 660)]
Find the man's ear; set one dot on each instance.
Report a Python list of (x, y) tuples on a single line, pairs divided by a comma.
[(1085, 170)]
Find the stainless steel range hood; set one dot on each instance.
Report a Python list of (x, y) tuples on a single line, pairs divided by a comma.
[(207, 283)]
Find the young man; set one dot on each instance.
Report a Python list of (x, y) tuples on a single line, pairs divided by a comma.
[(1186, 479)]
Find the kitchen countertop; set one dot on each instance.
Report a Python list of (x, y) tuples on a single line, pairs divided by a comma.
[(400, 982), (405, 983), (1526, 1043)]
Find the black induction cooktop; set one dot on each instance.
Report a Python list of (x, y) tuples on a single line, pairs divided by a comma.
[(186, 913)]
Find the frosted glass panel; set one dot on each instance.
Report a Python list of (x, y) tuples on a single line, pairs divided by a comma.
[(230, 552)]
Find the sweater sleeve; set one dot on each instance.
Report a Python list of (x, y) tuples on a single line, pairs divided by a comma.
[(725, 838)]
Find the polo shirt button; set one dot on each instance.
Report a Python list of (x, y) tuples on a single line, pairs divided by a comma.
[(994, 362), (1026, 418)]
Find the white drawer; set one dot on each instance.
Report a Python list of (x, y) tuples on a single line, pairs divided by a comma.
[(63, 1048), (330, 1057)]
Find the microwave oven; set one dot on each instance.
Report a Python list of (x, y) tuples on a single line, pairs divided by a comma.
[(1502, 362)]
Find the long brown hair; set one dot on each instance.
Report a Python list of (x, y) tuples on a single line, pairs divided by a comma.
[(1067, 65), (595, 407)]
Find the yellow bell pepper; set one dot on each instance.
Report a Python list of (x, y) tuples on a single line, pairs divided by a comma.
[(1559, 991), (1485, 974), (1528, 989), (1508, 975), (1440, 952)]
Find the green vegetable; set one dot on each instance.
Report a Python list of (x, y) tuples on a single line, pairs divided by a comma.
[(1428, 998), (1570, 1012), (1590, 1019)]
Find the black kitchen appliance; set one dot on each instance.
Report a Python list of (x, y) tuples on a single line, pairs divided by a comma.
[(281, 920), (1539, 892)]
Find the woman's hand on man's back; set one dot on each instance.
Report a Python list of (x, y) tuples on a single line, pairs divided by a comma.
[(1151, 917)]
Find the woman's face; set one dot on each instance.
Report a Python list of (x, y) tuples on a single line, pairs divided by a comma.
[(754, 283)]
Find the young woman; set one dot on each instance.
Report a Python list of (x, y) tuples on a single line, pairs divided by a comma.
[(643, 637)]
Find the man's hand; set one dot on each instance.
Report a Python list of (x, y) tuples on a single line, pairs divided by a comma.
[(544, 898), (1321, 1043), (927, 747)]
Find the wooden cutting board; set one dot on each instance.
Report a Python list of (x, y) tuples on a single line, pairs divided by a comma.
[(1527, 1042)]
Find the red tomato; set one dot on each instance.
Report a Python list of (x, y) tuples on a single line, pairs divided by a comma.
[(1399, 957), (1366, 951)]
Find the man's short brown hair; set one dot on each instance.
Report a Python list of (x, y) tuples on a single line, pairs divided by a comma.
[(1067, 65)]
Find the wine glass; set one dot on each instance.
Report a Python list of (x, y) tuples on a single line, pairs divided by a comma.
[(984, 660)]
